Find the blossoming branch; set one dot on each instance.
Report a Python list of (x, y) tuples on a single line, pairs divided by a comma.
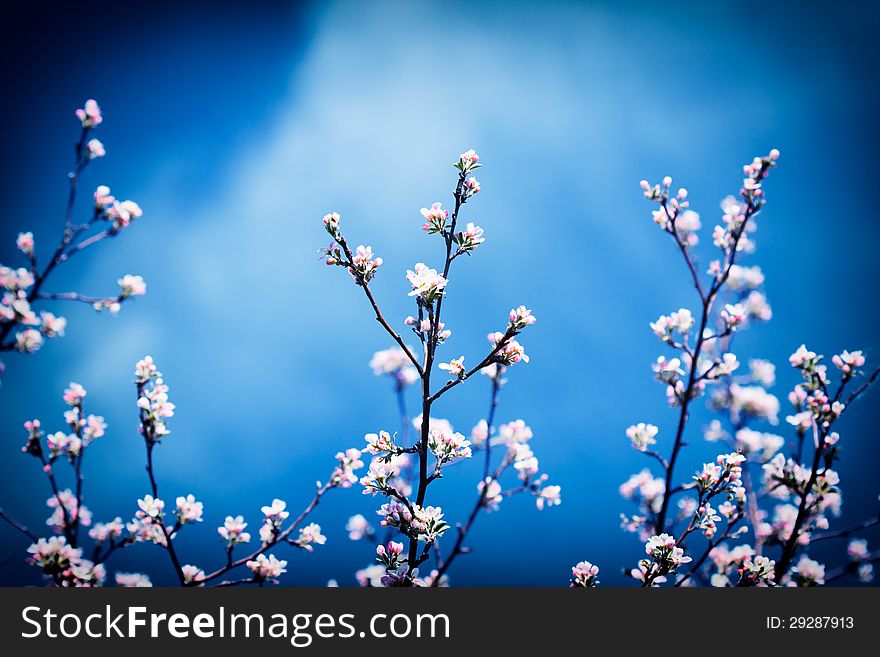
[(21, 328), (64, 559), (437, 445), (722, 501)]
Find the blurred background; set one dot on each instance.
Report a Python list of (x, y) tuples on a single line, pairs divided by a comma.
[(238, 127)]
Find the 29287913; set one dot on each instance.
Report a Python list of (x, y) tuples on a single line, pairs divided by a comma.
[(810, 623)]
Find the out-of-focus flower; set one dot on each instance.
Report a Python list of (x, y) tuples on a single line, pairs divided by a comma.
[(25, 243), (132, 286), (548, 496), (90, 114), (642, 435), (133, 580), (358, 527), (96, 149)]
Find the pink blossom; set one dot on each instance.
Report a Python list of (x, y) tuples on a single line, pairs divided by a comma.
[(349, 461), (803, 358), (470, 187), (28, 341), (490, 491), (331, 223), (514, 433), (74, 394), (107, 531), (448, 446), (25, 243), (847, 362), (122, 213), (435, 218), (365, 265), (192, 573), (583, 575), (310, 535), (480, 433), (103, 199), (468, 161), (455, 367), (233, 530), (511, 351), (808, 572), (470, 238), (52, 325), (267, 568), (857, 549), (378, 443), (520, 318), (145, 369), (275, 513), (133, 580), (132, 286), (395, 363), (548, 496), (90, 114), (426, 282), (150, 507), (358, 527), (642, 435), (96, 149), (15, 279), (188, 509)]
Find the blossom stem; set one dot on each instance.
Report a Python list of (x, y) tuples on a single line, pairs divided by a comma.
[(490, 421), (847, 531), (791, 544), (712, 545), (75, 296), (852, 567), (281, 537), (379, 316), (399, 389), (707, 302), (169, 545), (17, 525), (483, 363)]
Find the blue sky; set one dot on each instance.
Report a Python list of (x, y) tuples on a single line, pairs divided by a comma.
[(237, 130)]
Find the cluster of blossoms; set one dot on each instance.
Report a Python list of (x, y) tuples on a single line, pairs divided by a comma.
[(22, 328), (152, 401), (395, 363), (424, 524), (803, 485), (664, 557), (860, 560), (267, 569), (391, 472), (583, 575), (155, 522), (447, 447), (64, 564)]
